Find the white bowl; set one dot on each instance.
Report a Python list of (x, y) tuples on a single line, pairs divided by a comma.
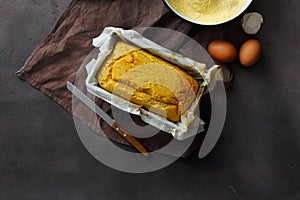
[(245, 6)]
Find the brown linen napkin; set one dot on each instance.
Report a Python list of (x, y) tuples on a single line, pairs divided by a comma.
[(59, 57)]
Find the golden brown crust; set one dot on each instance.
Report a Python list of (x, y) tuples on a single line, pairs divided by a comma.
[(148, 81)]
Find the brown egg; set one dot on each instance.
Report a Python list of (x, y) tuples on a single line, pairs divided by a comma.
[(222, 51), (250, 52)]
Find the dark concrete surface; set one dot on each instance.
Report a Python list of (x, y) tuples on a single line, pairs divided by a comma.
[(257, 157)]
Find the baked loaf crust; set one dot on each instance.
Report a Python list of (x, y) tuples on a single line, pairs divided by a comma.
[(148, 81)]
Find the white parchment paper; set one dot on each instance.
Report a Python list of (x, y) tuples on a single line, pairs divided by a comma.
[(190, 123)]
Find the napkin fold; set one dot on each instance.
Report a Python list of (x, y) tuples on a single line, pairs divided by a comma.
[(61, 55)]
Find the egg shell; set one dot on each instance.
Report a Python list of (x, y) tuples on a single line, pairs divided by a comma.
[(250, 52), (222, 51)]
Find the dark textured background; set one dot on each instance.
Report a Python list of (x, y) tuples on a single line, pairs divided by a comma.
[(257, 157)]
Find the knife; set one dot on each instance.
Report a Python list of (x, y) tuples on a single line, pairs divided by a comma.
[(93, 106)]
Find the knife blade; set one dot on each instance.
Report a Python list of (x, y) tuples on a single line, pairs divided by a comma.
[(93, 106)]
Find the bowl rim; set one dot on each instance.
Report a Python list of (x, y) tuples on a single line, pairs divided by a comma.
[(245, 6)]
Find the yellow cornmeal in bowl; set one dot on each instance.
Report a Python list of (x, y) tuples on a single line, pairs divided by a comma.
[(148, 81), (208, 11)]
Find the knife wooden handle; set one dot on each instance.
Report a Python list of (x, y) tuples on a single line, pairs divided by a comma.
[(134, 142)]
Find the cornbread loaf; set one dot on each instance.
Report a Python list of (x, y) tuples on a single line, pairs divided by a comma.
[(148, 81)]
